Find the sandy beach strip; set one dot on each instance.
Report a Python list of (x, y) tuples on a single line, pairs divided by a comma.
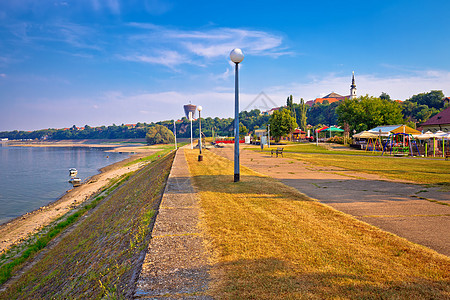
[(18, 229)]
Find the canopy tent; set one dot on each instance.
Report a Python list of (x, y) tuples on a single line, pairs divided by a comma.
[(426, 136), (329, 129), (435, 137), (364, 135), (440, 134), (321, 129), (387, 129), (334, 129), (406, 129)]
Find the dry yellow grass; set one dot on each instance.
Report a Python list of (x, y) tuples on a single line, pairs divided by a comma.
[(272, 242)]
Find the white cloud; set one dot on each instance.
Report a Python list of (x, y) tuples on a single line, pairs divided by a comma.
[(219, 102), (111, 5), (3, 75), (157, 7), (118, 107), (167, 58), (202, 46), (399, 87)]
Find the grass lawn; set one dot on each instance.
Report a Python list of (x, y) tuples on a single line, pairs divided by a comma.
[(97, 259), (321, 148), (419, 170), (271, 242), (426, 171)]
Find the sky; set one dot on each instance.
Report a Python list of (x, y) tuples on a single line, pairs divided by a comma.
[(94, 62)]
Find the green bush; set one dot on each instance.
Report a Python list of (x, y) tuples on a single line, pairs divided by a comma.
[(336, 140), (159, 134)]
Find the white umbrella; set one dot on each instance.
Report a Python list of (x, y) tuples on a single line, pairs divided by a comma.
[(425, 136), (364, 135), (440, 134)]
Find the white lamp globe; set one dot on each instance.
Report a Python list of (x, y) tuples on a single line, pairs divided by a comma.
[(236, 55), (199, 108)]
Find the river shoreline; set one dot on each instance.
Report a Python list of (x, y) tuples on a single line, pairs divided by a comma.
[(18, 229)]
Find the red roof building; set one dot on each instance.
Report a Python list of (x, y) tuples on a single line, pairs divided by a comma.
[(441, 121), (334, 97)]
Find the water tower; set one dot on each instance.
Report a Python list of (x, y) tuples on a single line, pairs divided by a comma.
[(190, 108)]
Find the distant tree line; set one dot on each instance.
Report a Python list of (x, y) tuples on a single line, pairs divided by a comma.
[(220, 126), (361, 114)]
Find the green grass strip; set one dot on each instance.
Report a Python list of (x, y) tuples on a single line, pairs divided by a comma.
[(42, 242)]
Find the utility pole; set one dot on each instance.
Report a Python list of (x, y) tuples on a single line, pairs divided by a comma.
[(175, 133), (190, 118)]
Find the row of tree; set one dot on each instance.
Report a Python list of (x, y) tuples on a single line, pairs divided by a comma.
[(413, 111), (360, 114)]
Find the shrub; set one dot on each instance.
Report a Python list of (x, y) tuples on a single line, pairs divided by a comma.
[(159, 134), (336, 140)]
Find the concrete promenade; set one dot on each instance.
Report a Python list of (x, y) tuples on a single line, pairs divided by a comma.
[(412, 211), (176, 265)]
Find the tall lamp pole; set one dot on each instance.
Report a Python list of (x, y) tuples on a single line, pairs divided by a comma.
[(190, 119), (268, 133), (175, 133), (236, 56), (200, 156)]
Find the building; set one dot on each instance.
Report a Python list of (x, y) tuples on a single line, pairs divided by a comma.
[(272, 110), (441, 121), (334, 97)]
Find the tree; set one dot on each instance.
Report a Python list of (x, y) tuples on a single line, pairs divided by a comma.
[(432, 99), (385, 96), (290, 106), (158, 134), (368, 112), (323, 113), (282, 123), (417, 113), (421, 107), (242, 130), (303, 117)]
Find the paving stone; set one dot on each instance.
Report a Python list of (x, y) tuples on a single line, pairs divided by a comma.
[(176, 265)]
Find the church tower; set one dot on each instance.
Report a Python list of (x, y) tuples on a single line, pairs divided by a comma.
[(353, 87)]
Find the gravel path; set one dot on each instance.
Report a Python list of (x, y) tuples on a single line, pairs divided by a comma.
[(412, 211), (176, 265)]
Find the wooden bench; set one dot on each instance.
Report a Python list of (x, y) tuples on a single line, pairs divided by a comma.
[(278, 151)]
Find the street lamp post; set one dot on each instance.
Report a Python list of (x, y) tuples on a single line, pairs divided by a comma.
[(200, 156), (175, 133), (268, 133), (236, 56), (190, 119)]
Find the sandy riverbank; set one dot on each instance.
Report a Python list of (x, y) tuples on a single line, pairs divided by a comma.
[(20, 228)]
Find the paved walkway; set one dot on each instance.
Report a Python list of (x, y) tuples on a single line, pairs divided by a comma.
[(176, 264), (398, 207)]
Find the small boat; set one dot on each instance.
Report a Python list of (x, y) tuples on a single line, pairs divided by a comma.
[(75, 181), (73, 172)]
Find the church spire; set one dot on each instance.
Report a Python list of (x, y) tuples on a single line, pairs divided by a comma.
[(353, 87)]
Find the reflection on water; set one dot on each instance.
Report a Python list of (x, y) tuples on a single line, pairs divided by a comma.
[(31, 177)]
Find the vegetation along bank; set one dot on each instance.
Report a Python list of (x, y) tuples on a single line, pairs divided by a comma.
[(100, 256)]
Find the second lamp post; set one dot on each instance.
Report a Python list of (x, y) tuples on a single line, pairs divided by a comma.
[(200, 156), (236, 56)]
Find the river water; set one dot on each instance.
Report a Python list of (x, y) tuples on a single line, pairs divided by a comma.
[(31, 177)]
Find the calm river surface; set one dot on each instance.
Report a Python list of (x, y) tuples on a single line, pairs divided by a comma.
[(31, 177)]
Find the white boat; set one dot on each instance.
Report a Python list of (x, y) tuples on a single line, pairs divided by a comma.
[(75, 181), (73, 172)]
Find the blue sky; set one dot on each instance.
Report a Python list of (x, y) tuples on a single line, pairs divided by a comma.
[(77, 62)]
